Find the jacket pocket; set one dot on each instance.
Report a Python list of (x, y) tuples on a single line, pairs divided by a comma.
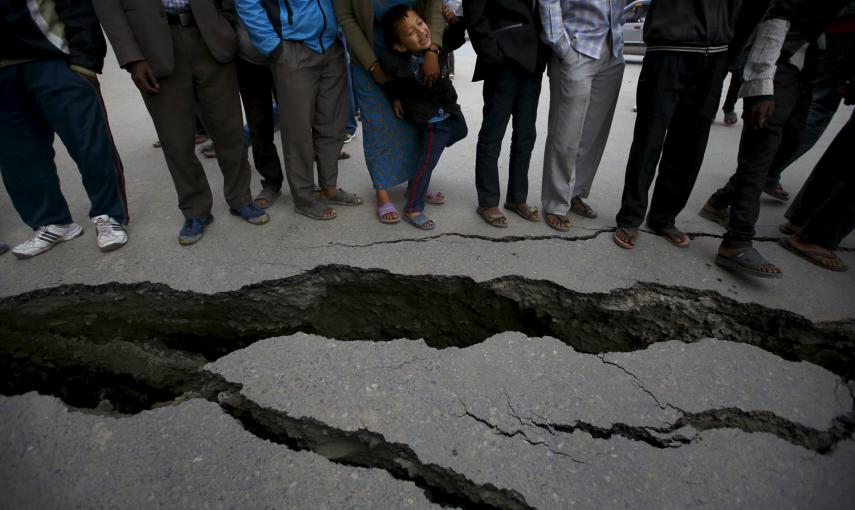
[(509, 27)]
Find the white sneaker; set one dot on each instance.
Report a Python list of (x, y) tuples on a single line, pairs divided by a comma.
[(111, 233), (45, 237)]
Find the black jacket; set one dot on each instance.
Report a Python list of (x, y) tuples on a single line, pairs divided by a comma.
[(21, 38), (420, 102), (808, 19), (505, 32), (694, 24)]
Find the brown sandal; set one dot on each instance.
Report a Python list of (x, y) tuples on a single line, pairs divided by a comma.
[(563, 225), (530, 213), (628, 240), (673, 235), (492, 219)]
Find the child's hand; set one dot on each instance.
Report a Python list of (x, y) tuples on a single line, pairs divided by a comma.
[(398, 108), (449, 15), (380, 76)]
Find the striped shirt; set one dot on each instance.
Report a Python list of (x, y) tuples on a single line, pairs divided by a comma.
[(585, 25), (176, 5)]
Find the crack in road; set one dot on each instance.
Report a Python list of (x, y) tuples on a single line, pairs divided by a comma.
[(122, 349)]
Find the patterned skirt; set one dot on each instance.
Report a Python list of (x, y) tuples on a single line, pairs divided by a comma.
[(392, 145)]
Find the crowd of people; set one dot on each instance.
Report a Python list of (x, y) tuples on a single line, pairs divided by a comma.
[(313, 63)]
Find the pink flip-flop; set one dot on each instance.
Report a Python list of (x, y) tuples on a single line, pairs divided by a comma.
[(387, 208), (435, 197)]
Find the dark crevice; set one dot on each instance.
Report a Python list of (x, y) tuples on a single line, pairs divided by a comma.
[(358, 304)]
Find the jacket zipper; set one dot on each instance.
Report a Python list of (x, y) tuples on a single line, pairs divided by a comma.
[(509, 27)]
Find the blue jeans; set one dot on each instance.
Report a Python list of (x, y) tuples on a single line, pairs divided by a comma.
[(435, 137), (38, 99), (509, 92)]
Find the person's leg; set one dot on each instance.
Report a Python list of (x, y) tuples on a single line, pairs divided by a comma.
[(435, 138), (72, 106), (570, 95), (351, 125), (26, 154), (757, 149), (173, 112), (686, 141), (657, 98), (297, 73), (524, 135), (256, 85), (598, 123), (499, 93), (218, 97), (826, 209), (330, 118)]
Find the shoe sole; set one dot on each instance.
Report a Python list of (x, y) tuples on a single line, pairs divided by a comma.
[(48, 247), (113, 246)]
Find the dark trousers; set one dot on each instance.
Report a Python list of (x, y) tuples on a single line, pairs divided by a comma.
[(825, 206), (38, 99), (759, 150), (677, 99), (509, 92), (199, 79), (830, 69), (435, 137), (257, 92)]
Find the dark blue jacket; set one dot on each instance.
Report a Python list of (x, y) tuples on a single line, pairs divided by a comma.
[(270, 21)]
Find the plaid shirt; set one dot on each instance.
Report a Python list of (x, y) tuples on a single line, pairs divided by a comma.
[(176, 5), (582, 24)]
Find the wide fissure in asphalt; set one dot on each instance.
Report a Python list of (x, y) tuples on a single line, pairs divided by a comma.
[(121, 349)]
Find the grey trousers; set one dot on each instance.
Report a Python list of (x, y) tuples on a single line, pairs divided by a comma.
[(310, 88), (199, 79), (583, 96)]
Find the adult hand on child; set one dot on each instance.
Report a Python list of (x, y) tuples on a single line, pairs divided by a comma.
[(430, 68), (380, 75), (449, 15), (398, 108)]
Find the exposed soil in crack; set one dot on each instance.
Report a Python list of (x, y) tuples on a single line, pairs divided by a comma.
[(121, 349)]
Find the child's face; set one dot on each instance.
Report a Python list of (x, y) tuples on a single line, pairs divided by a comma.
[(413, 34)]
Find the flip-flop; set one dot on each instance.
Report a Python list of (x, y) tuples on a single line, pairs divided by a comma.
[(530, 213), (341, 197), (266, 197), (629, 233), (814, 256), (565, 225), (435, 198), (492, 220), (584, 210), (746, 261), (387, 208), (673, 235), (720, 216), (777, 192), (315, 210), (730, 118), (420, 221)]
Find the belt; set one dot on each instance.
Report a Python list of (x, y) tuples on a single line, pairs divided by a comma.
[(185, 19)]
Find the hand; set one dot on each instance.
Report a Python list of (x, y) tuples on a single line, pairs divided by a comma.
[(756, 116), (430, 68), (398, 108), (380, 76), (143, 77), (449, 15)]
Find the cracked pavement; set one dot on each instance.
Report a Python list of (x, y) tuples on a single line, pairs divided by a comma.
[(354, 365)]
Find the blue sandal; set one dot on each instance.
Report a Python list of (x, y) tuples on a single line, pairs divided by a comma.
[(420, 221), (747, 261)]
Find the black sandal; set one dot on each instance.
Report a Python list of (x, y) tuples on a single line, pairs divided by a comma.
[(747, 261)]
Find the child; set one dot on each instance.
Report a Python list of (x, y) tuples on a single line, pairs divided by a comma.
[(432, 106)]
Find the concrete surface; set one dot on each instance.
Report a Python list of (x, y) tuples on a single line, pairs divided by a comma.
[(511, 422)]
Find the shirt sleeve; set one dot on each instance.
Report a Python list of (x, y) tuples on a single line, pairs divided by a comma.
[(258, 26), (759, 72), (554, 33)]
